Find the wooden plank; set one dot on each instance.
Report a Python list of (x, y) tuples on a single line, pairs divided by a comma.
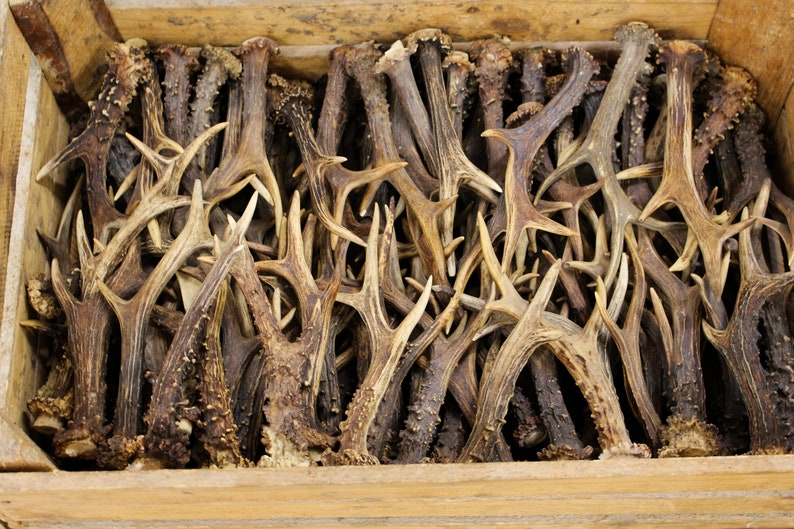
[(18, 453), (70, 38), (316, 22), (311, 62), (758, 36), (724, 492), (14, 65), (43, 134)]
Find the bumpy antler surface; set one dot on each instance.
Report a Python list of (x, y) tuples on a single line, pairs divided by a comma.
[(447, 284)]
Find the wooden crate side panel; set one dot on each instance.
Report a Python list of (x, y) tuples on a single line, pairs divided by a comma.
[(35, 205), (758, 36), (14, 65), (713, 492), (322, 22), (311, 62)]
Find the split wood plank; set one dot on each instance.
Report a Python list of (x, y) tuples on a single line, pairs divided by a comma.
[(43, 132)]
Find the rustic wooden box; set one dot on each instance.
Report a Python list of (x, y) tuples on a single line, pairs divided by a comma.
[(73, 35)]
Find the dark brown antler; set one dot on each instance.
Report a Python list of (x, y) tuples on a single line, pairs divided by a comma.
[(596, 149), (128, 67), (170, 418), (678, 182), (292, 434), (737, 339), (515, 208), (501, 372), (249, 155), (133, 317)]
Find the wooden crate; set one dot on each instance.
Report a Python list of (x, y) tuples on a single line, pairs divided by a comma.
[(72, 36)]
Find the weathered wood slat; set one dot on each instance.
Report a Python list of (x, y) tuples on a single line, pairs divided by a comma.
[(15, 59), (43, 130), (318, 22), (693, 493), (311, 62), (760, 38)]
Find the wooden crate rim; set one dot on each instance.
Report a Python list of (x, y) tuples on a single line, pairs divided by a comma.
[(427, 473), (700, 492)]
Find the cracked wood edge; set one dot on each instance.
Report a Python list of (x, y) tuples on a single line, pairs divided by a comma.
[(14, 65)]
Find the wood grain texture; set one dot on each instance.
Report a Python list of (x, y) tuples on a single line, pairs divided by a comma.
[(15, 59), (316, 22), (43, 133), (70, 37), (311, 62), (691, 493), (758, 36), (17, 452), (43, 40)]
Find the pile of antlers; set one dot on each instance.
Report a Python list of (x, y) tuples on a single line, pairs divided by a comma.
[(382, 267)]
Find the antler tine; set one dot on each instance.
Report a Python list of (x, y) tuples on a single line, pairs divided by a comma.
[(596, 149), (60, 246), (423, 213), (169, 421), (737, 339), (386, 348), (293, 105), (529, 333), (250, 156), (678, 183), (133, 317), (523, 144), (128, 67), (628, 343)]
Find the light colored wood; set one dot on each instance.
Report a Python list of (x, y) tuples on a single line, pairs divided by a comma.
[(316, 22), (34, 205), (691, 493), (14, 65), (18, 453), (758, 36), (71, 37)]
